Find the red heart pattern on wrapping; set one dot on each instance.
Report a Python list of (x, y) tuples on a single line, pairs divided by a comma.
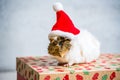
[(47, 78), (95, 76), (79, 77), (66, 77), (112, 76)]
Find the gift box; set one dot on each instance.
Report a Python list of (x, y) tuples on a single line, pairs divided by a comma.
[(106, 67)]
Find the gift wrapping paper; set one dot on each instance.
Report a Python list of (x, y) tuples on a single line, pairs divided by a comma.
[(106, 67)]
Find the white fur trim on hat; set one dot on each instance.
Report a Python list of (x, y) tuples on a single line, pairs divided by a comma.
[(57, 6), (61, 33)]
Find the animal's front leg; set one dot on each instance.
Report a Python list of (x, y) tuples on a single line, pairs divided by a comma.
[(67, 64), (70, 63), (62, 64)]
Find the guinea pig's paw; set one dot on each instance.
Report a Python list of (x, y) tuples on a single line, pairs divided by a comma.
[(62, 64), (66, 65), (70, 63)]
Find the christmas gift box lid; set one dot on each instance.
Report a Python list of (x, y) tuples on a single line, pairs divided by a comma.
[(107, 67)]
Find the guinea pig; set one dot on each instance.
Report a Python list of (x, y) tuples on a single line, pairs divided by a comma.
[(82, 49), (70, 45)]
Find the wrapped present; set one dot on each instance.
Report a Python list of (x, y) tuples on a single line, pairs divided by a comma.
[(107, 67)]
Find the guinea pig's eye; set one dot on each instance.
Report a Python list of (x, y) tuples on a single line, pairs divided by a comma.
[(67, 39), (60, 38), (61, 43)]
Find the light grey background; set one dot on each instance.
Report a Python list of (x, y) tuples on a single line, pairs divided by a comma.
[(25, 25)]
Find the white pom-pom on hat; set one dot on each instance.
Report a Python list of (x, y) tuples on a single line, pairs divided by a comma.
[(64, 25), (57, 6)]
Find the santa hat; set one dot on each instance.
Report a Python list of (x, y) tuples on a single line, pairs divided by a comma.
[(64, 25)]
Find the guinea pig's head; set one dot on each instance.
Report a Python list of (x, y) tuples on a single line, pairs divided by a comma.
[(59, 46)]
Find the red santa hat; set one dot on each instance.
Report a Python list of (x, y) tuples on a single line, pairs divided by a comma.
[(64, 25)]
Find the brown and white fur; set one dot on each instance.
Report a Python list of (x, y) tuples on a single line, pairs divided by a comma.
[(83, 48)]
